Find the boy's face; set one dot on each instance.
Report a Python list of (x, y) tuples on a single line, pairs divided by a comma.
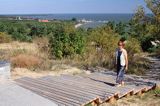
[(120, 46)]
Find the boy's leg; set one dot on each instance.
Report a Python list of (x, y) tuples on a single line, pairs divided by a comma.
[(121, 75)]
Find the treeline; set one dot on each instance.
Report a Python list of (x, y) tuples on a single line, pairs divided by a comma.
[(28, 30)]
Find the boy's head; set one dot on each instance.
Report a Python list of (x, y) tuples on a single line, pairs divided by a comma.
[(121, 44)]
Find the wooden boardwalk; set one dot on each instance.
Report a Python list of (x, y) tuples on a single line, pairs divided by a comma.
[(69, 90)]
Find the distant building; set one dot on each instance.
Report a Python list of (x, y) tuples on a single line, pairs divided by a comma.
[(18, 18), (42, 20)]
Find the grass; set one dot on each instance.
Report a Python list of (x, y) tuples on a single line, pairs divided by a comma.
[(28, 55), (157, 92), (24, 61), (138, 65), (89, 104)]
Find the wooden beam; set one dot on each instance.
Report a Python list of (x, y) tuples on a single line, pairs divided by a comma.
[(112, 100)]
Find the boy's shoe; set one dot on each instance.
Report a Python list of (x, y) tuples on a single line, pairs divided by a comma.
[(122, 84), (118, 85)]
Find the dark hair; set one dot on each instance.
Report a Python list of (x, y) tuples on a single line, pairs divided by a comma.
[(123, 39)]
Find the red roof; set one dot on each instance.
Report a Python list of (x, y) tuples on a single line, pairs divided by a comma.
[(43, 21)]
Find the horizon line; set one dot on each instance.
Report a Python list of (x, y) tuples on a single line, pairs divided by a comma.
[(62, 13)]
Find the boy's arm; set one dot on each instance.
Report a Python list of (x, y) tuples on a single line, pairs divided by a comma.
[(126, 59)]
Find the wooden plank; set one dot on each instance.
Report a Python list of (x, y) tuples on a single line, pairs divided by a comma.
[(69, 92), (66, 86), (91, 83), (60, 86), (110, 79), (105, 79), (136, 89), (122, 90), (55, 91), (50, 94), (77, 90), (127, 79), (77, 85), (45, 94), (143, 84)]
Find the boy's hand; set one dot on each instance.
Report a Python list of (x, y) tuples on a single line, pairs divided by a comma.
[(126, 68)]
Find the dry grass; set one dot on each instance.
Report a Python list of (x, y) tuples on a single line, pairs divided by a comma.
[(25, 61), (56, 71), (138, 65), (17, 46), (42, 44)]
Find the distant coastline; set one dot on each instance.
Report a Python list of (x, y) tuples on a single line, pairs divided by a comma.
[(91, 17), (84, 20)]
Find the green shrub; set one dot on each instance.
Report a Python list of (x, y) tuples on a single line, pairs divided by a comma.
[(137, 65), (21, 37), (4, 38), (65, 43), (101, 46), (133, 47)]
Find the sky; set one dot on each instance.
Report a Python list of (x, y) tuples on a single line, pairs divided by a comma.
[(69, 6)]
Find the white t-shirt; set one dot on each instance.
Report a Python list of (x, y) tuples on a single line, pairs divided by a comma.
[(122, 57)]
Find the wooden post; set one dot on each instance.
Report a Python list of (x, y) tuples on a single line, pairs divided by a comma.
[(140, 93), (94, 103), (128, 95), (157, 86), (112, 100)]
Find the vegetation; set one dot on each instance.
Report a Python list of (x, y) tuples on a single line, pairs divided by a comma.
[(101, 45), (27, 30), (144, 27), (67, 43), (157, 92), (25, 61), (93, 47), (5, 38)]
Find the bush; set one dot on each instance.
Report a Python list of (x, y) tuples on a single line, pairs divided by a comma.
[(66, 43), (4, 38), (133, 47), (137, 64), (20, 37), (102, 43)]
